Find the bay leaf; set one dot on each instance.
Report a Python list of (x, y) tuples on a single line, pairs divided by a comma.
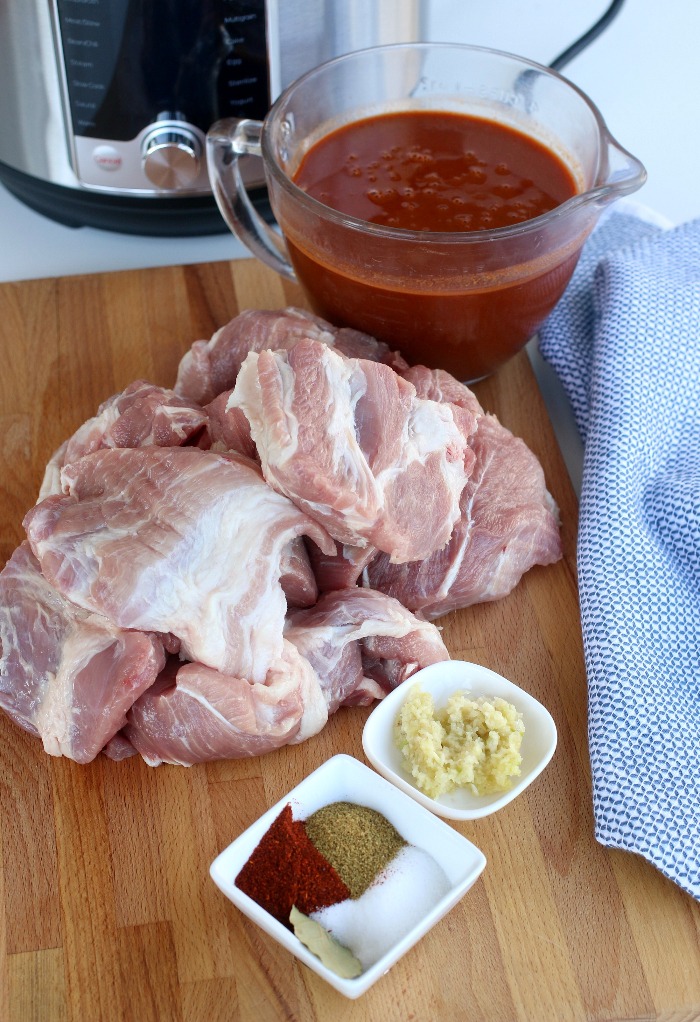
[(318, 940)]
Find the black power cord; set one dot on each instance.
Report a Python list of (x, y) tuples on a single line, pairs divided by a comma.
[(583, 41)]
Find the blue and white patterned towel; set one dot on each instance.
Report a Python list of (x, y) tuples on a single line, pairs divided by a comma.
[(625, 342)]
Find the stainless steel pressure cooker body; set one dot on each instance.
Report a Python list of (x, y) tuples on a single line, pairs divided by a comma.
[(105, 104)]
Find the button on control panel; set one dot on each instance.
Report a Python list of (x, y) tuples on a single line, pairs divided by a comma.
[(171, 157), (107, 158)]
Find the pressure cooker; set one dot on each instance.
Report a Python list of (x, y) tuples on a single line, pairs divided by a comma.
[(105, 104)]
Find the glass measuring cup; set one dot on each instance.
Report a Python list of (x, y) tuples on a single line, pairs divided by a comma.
[(465, 301)]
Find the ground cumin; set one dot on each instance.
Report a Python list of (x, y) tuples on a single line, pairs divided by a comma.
[(358, 841)]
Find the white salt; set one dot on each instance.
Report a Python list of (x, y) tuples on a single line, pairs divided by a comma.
[(401, 896)]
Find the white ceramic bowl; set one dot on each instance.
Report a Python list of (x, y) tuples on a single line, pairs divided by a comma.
[(343, 778), (441, 680)]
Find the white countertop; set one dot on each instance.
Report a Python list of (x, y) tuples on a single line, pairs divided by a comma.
[(642, 73)]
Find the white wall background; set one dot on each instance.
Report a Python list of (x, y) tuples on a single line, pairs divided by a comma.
[(643, 73)]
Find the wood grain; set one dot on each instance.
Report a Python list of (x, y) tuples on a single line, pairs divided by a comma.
[(107, 911)]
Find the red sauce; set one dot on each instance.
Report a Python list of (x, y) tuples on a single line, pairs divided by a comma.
[(431, 171)]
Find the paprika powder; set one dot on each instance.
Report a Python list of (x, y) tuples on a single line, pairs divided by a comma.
[(286, 869)]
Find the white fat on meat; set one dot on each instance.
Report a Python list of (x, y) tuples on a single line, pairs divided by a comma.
[(230, 431), (142, 415), (67, 675), (361, 644), (175, 540), (508, 523), (211, 367), (51, 481), (351, 444), (194, 714)]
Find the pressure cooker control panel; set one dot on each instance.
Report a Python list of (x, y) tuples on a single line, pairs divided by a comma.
[(144, 80)]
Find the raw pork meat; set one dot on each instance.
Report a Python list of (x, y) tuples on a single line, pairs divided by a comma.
[(180, 525), (210, 367), (341, 569), (230, 431), (355, 344), (194, 714), (297, 576), (438, 385), (227, 431), (350, 443), (346, 566), (175, 540), (361, 644), (508, 523), (119, 748), (66, 675), (140, 416)]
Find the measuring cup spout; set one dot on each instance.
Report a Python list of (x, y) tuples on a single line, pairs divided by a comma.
[(622, 172)]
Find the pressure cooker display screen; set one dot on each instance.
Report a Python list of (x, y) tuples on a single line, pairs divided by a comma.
[(129, 63)]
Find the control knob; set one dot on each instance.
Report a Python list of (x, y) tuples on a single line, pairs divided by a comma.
[(171, 156)]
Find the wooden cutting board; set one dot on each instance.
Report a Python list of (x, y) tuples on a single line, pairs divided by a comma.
[(107, 911)]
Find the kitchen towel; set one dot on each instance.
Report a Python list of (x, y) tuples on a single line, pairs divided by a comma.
[(625, 343)]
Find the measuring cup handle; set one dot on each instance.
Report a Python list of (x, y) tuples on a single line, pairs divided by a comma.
[(227, 140)]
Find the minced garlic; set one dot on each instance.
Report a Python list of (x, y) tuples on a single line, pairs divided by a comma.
[(472, 742)]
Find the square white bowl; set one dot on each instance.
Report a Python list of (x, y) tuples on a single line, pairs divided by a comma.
[(344, 779), (441, 680)]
